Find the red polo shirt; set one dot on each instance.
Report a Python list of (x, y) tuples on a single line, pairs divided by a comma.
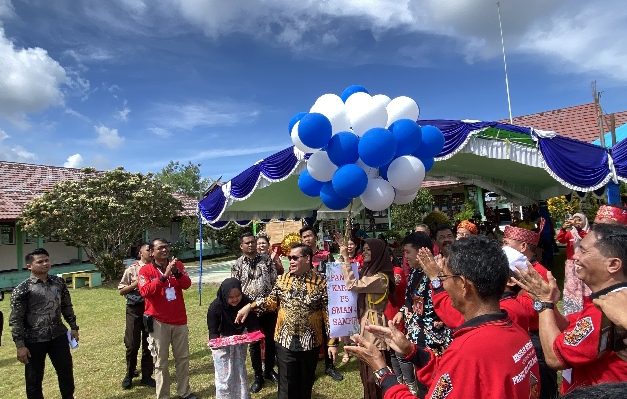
[(154, 292)]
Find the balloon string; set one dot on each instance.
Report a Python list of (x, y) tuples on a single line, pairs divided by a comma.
[(347, 229)]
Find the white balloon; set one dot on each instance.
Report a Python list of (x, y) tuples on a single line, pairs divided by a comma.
[(370, 171), (356, 103), (406, 173), (299, 144), (378, 196), (382, 98), (372, 115), (320, 166), (402, 197), (402, 108), (332, 106)]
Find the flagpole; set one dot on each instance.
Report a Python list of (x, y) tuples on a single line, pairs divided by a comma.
[(509, 102)]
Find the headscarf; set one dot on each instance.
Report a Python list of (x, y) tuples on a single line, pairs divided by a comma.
[(584, 227), (380, 262), (230, 312), (468, 225)]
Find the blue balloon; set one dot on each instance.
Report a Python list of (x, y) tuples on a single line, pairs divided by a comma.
[(432, 140), (408, 136), (352, 89), (349, 181), (383, 170), (377, 147), (342, 148), (331, 199), (295, 119), (314, 130), (428, 163), (308, 185)]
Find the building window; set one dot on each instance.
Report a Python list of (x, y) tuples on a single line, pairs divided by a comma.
[(7, 235)]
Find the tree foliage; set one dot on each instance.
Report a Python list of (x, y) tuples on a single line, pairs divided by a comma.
[(405, 217), (105, 214), (468, 211), (184, 179)]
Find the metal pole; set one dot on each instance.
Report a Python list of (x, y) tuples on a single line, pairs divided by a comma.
[(509, 102), (200, 260)]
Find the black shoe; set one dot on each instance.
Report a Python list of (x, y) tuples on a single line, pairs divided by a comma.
[(127, 382), (257, 384), (149, 382), (191, 396), (135, 373), (272, 376), (333, 373)]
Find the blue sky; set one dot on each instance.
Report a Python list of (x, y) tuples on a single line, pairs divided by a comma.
[(137, 83)]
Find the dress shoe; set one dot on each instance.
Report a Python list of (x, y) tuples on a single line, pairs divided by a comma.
[(135, 373), (333, 373), (149, 382), (191, 396), (272, 376), (257, 384), (127, 382)]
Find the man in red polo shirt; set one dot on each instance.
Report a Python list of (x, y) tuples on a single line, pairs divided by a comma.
[(161, 283), (490, 356), (526, 241), (573, 343)]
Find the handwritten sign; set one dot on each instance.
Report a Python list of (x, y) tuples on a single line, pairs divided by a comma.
[(343, 320)]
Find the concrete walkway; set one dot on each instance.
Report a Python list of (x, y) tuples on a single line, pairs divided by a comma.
[(211, 273)]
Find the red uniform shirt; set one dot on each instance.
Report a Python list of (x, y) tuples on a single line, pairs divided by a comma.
[(527, 302), (397, 299), (154, 292), (452, 317), (490, 357), (578, 347), (566, 237)]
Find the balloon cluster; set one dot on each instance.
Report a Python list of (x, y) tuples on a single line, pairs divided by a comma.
[(364, 146)]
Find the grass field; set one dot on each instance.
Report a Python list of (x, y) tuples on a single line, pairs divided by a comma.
[(99, 364)]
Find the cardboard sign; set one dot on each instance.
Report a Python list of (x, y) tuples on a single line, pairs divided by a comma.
[(343, 320)]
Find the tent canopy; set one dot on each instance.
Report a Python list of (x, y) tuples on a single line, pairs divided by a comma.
[(521, 163)]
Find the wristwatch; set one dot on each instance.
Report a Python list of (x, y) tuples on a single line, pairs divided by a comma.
[(380, 374), (539, 306), (436, 283)]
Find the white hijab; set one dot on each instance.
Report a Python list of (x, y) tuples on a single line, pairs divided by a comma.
[(585, 226)]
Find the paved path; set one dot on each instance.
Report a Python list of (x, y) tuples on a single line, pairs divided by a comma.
[(212, 273)]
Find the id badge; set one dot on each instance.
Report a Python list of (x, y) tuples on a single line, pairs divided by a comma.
[(170, 294)]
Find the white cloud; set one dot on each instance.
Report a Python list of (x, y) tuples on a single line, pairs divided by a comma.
[(6, 9), (108, 136), (16, 154), (74, 161), (31, 80), (123, 113), (90, 54), (3, 135), (160, 132), (206, 113), (232, 152)]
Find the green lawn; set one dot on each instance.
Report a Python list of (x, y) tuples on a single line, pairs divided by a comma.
[(99, 363)]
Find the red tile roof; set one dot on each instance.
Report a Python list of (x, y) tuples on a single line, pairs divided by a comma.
[(21, 182), (577, 122)]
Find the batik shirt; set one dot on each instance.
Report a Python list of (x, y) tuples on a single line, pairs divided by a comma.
[(301, 302), (36, 310), (422, 324), (257, 275)]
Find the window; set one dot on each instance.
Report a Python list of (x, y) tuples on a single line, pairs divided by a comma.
[(7, 234)]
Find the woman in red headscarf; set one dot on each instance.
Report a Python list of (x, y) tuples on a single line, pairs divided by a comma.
[(466, 228), (374, 285)]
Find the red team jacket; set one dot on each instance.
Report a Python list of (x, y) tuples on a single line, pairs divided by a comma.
[(490, 357), (578, 347), (153, 291)]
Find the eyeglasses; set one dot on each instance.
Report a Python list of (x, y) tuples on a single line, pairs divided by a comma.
[(295, 257), (443, 277)]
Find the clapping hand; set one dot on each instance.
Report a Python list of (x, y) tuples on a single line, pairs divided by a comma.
[(532, 282), (431, 265)]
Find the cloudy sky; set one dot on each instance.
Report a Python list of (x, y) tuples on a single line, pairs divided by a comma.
[(137, 83)]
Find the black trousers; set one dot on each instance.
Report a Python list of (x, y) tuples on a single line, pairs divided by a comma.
[(548, 376), (59, 352), (135, 336), (267, 322), (297, 372)]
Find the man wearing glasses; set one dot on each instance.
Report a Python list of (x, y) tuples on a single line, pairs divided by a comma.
[(258, 275), (161, 283), (490, 356), (301, 299)]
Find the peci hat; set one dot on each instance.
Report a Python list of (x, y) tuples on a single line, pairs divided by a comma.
[(468, 225), (522, 235), (611, 214)]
